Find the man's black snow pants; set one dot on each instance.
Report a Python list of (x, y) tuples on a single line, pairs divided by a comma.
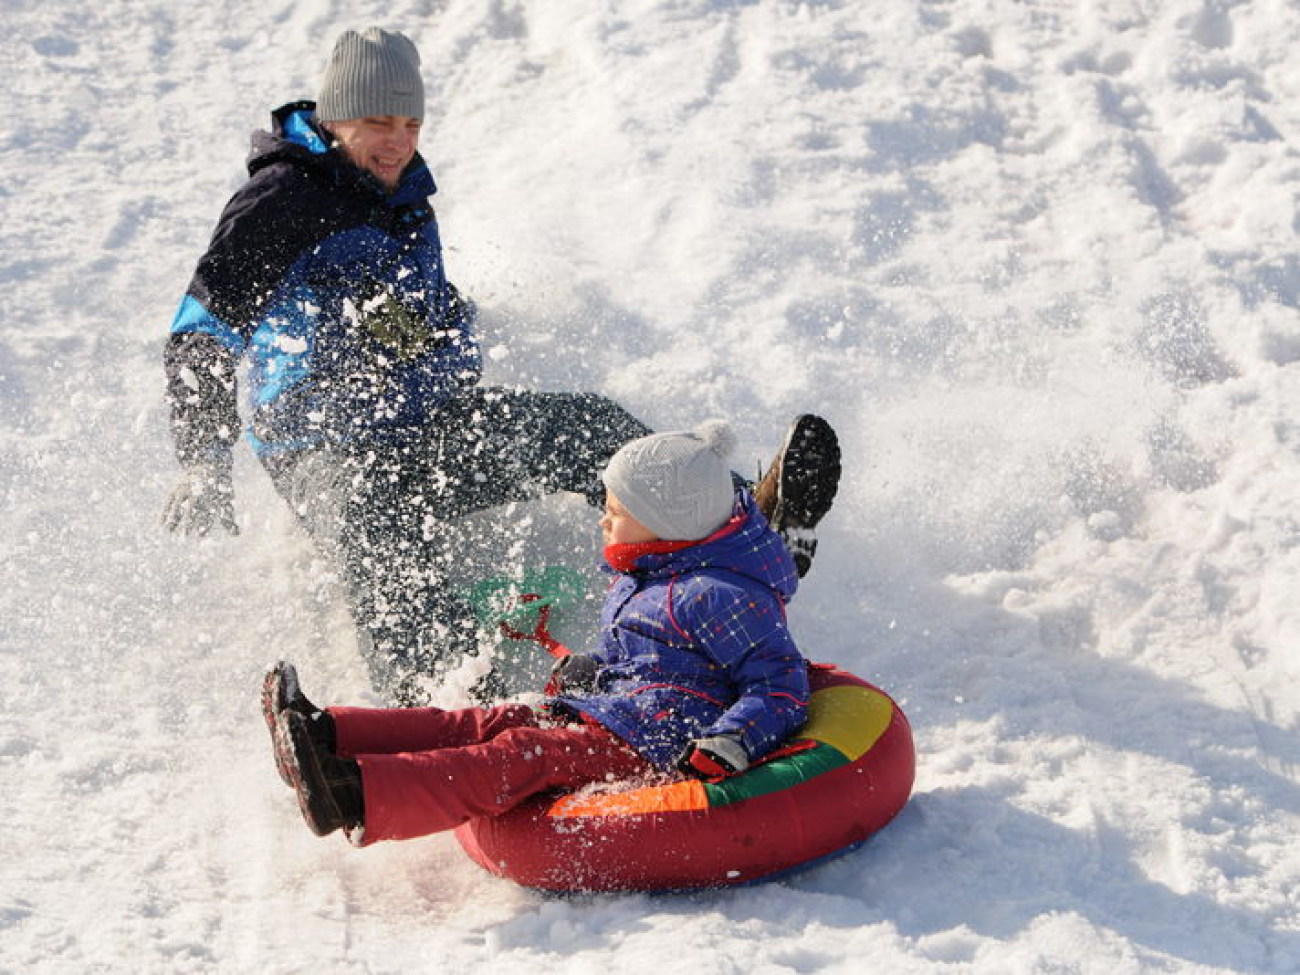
[(378, 507)]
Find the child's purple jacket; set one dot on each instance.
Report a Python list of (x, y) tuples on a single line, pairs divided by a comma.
[(694, 643)]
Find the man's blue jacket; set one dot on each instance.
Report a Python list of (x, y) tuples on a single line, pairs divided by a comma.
[(333, 289)]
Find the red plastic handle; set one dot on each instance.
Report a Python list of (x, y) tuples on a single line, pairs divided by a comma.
[(541, 632)]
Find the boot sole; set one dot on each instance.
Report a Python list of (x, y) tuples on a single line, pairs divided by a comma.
[(277, 689), (810, 471)]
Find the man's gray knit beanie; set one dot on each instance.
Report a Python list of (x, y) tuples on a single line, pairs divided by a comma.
[(373, 73), (676, 484)]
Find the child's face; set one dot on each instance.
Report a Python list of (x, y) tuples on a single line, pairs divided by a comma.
[(620, 528)]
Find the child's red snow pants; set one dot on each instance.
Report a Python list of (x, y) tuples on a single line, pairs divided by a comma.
[(424, 770)]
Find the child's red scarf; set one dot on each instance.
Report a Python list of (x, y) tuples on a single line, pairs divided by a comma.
[(623, 555)]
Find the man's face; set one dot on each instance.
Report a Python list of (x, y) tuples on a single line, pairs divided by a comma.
[(382, 145)]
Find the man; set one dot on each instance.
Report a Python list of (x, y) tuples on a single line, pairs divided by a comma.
[(326, 273)]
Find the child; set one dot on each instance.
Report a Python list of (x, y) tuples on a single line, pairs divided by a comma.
[(695, 671)]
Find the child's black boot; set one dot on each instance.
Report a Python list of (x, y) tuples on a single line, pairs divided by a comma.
[(799, 488), (282, 692), (329, 788)]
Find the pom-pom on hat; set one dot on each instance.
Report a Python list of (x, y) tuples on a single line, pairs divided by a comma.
[(373, 73), (676, 484)]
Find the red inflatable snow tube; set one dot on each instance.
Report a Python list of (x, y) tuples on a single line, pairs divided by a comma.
[(845, 775)]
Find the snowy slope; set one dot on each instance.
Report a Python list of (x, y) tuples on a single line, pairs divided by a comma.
[(1036, 262)]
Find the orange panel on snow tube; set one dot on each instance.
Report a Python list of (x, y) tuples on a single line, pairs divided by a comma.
[(845, 775)]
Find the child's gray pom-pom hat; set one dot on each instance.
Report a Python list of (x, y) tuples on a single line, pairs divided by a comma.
[(373, 73), (676, 484)]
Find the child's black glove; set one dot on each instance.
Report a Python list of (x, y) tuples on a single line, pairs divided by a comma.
[(714, 758), (573, 674)]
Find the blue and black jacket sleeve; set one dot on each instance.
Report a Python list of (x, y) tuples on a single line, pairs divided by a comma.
[(259, 235)]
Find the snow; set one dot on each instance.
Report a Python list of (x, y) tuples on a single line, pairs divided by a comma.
[(1034, 260)]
